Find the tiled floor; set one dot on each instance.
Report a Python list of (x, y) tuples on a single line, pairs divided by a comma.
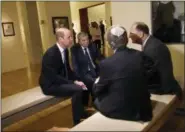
[(20, 80)]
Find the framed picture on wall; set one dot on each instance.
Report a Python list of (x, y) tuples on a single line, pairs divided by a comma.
[(60, 22), (168, 21), (8, 29)]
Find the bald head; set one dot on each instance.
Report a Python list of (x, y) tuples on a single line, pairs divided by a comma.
[(117, 36), (64, 37)]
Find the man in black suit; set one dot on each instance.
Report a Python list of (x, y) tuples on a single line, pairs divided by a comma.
[(121, 91), (56, 77), (84, 57), (162, 81), (102, 29)]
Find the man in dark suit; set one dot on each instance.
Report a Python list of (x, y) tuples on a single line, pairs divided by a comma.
[(163, 80), (84, 57), (121, 91), (102, 29), (56, 77)]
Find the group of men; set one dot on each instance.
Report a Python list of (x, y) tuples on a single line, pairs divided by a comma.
[(120, 85)]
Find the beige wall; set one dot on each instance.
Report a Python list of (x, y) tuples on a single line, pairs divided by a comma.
[(15, 53), (141, 11), (75, 6), (47, 10), (12, 47), (177, 53), (96, 13), (35, 47), (55, 9)]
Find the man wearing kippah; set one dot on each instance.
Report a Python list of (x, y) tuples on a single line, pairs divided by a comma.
[(121, 91)]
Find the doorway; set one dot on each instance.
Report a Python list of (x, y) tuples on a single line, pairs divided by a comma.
[(94, 13)]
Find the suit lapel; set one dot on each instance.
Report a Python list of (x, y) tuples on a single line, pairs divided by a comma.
[(59, 55), (82, 54), (91, 52), (147, 43)]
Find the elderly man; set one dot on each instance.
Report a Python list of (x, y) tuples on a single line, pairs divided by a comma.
[(121, 91), (84, 57), (162, 81), (57, 79)]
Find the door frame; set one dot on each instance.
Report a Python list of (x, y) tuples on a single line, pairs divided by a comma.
[(87, 9)]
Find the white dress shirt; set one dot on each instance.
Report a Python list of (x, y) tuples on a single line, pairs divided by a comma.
[(83, 48), (61, 51)]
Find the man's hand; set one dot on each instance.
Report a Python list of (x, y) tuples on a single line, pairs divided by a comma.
[(81, 84)]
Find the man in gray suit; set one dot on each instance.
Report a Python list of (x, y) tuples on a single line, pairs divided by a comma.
[(163, 80)]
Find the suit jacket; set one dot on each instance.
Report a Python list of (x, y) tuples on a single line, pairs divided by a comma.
[(80, 62), (102, 29), (52, 79), (122, 90), (163, 81)]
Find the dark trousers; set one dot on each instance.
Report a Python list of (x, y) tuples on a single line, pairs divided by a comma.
[(103, 40), (97, 104), (89, 81), (70, 90), (85, 96), (77, 107)]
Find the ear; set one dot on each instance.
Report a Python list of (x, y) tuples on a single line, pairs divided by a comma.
[(60, 38)]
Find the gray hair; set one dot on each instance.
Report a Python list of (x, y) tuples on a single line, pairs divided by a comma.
[(82, 34), (117, 36)]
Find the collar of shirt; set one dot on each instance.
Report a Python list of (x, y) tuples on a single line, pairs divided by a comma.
[(144, 43), (60, 48), (84, 49), (61, 51)]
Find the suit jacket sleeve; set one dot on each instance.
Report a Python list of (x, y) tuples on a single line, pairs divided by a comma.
[(75, 63), (150, 66), (102, 85), (159, 60)]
